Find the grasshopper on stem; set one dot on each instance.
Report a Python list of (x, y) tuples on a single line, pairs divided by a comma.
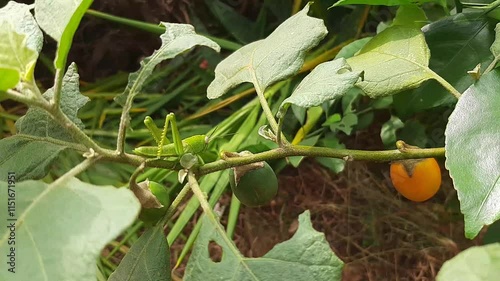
[(193, 145)]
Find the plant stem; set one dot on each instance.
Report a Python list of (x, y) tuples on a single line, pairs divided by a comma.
[(76, 170), (57, 87), (446, 85), (173, 207), (207, 210), (195, 187), (267, 111), (17, 96), (492, 65), (265, 106), (299, 150)]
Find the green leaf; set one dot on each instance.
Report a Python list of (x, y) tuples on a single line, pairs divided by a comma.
[(148, 259), (352, 48), (20, 17), (474, 264), (472, 149), (327, 81), (17, 61), (238, 26), (495, 47), (394, 60), (41, 139), (306, 256), (410, 15), (457, 44), (178, 38), (60, 19), (38, 122), (29, 157), (385, 2), (60, 229), (333, 164), (388, 131), (346, 124), (414, 134), (273, 59), (296, 160)]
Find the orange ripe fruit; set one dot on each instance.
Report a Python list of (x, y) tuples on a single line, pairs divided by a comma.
[(416, 179)]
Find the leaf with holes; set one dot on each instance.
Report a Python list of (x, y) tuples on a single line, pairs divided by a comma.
[(306, 256), (472, 150)]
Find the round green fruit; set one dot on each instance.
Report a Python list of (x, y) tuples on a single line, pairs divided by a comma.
[(254, 185), (150, 216)]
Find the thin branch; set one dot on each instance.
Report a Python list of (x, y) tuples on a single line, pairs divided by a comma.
[(173, 207), (19, 97), (491, 66), (446, 85), (57, 88), (124, 122), (76, 170), (309, 151)]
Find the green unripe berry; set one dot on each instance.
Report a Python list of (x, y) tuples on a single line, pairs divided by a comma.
[(151, 213), (255, 184)]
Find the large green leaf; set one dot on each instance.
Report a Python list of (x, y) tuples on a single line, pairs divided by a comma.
[(327, 81), (20, 17), (395, 60), (306, 256), (148, 259), (17, 60), (273, 59), (472, 153), (178, 38), (40, 138), (457, 44), (474, 264), (60, 229), (28, 156), (60, 19)]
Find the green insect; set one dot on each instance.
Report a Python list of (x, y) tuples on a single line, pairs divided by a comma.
[(193, 145)]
